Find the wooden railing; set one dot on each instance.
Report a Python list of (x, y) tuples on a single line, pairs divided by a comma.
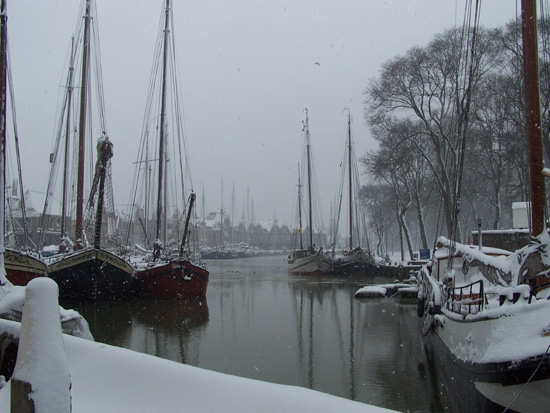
[(468, 299)]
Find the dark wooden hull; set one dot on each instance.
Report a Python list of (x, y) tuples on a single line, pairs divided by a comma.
[(357, 264), (92, 275), (22, 268), (172, 279)]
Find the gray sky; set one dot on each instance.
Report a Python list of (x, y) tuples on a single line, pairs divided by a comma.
[(247, 73)]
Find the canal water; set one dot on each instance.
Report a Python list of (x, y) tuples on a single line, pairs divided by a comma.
[(257, 321)]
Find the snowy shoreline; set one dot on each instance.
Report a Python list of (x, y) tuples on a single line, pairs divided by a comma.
[(112, 379)]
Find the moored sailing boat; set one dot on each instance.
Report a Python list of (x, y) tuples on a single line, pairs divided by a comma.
[(20, 267), (356, 260), (307, 261), (485, 312), (86, 272), (165, 273)]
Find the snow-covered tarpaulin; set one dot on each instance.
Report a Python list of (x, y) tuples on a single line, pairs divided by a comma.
[(507, 270)]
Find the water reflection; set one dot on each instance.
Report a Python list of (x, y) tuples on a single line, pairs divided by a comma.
[(109, 322), (367, 351), (261, 323), (163, 328)]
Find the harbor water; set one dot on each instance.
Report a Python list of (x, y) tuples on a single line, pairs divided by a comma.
[(257, 321)]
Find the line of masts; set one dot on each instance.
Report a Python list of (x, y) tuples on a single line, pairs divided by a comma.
[(530, 46)]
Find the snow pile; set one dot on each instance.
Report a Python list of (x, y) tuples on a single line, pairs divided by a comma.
[(12, 300), (371, 291), (387, 290), (41, 360)]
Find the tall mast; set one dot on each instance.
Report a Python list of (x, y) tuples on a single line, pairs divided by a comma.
[(350, 186), (3, 89), (300, 209), (232, 212), (82, 129), (67, 143), (221, 220), (203, 217), (310, 207), (162, 120), (532, 103), (192, 198)]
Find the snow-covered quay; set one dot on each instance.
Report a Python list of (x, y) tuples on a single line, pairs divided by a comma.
[(110, 379)]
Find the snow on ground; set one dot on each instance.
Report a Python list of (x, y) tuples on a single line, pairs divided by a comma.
[(41, 358), (110, 379)]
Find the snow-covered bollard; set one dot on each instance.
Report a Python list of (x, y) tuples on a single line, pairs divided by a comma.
[(41, 382)]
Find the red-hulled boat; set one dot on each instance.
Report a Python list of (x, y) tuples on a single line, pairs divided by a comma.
[(164, 274), (176, 278), (21, 267)]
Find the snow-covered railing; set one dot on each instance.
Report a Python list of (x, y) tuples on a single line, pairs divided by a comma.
[(468, 299), (537, 289), (432, 287)]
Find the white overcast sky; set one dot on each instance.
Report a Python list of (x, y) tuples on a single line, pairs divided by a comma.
[(247, 73)]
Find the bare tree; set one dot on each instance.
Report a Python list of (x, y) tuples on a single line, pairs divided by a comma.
[(429, 87), (376, 198)]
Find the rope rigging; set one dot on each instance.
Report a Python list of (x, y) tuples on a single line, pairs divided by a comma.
[(468, 48), (161, 176), (64, 158)]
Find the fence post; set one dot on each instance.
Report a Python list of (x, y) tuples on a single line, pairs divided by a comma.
[(41, 382)]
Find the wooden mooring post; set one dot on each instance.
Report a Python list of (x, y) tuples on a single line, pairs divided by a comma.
[(41, 382)]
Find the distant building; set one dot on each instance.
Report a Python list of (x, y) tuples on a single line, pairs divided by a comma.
[(214, 231)]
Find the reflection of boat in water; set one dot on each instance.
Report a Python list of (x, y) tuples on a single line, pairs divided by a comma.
[(168, 328), (165, 316), (307, 261), (332, 346)]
